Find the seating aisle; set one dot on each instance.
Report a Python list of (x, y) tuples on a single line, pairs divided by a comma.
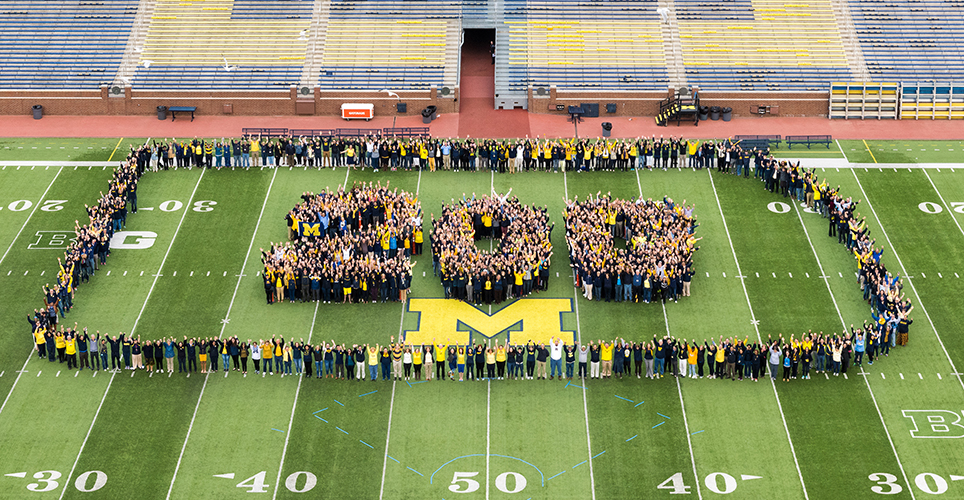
[(477, 116)]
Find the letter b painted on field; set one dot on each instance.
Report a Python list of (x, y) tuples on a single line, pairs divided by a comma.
[(935, 423)]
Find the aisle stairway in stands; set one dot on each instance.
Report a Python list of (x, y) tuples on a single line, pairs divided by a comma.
[(477, 115), (315, 50), (135, 45)]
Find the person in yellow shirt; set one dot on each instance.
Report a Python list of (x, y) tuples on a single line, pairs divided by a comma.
[(41, 341), (416, 353), (267, 353), (606, 357), (61, 345), (691, 352), (70, 348), (371, 352), (440, 351), (500, 358)]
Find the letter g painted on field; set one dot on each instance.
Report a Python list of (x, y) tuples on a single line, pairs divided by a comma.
[(142, 239), (935, 423)]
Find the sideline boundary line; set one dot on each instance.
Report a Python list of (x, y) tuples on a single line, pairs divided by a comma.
[(757, 328), (301, 378), (909, 280), (136, 321), (844, 325), (190, 426), (12, 243)]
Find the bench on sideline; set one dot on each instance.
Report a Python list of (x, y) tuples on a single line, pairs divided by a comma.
[(808, 140)]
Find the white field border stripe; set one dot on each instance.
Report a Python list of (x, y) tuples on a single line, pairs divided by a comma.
[(12, 243), (248, 255), (757, 328), (146, 299), (190, 426), (909, 280), (582, 378), (686, 425), (948, 207), (844, 325), (301, 377)]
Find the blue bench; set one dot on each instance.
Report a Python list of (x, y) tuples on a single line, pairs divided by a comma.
[(808, 140), (183, 109)]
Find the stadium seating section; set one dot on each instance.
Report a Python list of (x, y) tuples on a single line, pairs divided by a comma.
[(729, 45), (62, 44)]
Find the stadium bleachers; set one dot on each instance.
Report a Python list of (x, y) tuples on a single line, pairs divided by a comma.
[(761, 45), (583, 45), (604, 45), (48, 44), (188, 43), (390, 44), (911, 39)]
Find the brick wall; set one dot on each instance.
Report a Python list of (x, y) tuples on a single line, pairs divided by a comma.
[(245, 103)]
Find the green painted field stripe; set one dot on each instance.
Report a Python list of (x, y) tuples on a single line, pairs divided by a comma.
[(284, 452), (67, 480), (15, 238), (227, 315), (843, 325), (756, 327), (909, 280)]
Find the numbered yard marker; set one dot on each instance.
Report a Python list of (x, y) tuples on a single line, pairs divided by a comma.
[(886, 484), (925, 480), (53, 205), (675, 484), (204, 206), (20, 205), (778, 207), (100, 479), (464, 477), (292, 482), (929, 207), (712, 482), (255, 483), (46, 481), (171, 206)]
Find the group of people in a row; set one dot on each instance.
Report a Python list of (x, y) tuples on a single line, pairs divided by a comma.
[(346, 246), (657, 262), (395, 153), (517, 266), (87, 252)]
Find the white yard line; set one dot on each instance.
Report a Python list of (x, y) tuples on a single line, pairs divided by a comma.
[(908, 278), (841, 150), (284, 451), (84, 444), (391, 409), (254, 235), (160, 269), (756, 327), (844, 325), (582, 378), (585, 406), (946, 206), (488, 411), (347, 171), (190, 426), (686, 425), (13, 242)]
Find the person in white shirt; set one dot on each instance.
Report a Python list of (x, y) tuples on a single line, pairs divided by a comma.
[(555, 357)]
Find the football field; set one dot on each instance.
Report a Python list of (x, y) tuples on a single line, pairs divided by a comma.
[(765, 267)]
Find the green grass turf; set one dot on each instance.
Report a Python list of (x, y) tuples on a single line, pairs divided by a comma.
[(736, 427), (903, 151), (66, 149)]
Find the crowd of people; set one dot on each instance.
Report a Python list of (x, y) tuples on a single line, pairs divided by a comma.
[(366, 234), (359, 249), (657, 262), (394, 153), (518, 267), (88, 251)]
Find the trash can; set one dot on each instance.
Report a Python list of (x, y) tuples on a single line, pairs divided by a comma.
[(714, 113), (433, 111), (162, 112), (38, 111), (607, 129), (727, 114), (704, 113), (428, 114)]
